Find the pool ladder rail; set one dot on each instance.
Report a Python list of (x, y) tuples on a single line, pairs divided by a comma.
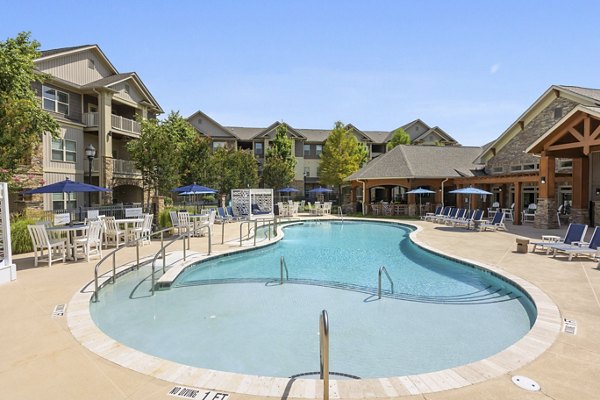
[(382, 270), (324, 352), (283, 268)]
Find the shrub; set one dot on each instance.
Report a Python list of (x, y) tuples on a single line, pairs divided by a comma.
[(164, 219), (20, 239)]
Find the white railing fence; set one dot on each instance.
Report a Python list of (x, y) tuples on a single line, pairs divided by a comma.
[(8, 270)]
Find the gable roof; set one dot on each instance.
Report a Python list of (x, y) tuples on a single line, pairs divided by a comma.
[(378, 137), (293, 132), (416, 121), (105, 82), (52, 53), (585, 96), (244, 133), (439, 132), (205, 116), (405, 161)]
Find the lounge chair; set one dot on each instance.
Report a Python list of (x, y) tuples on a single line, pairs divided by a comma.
[(575, 233), (460, 215), (465, 220), (234, 217), (449, 213), (579, 248), (429, 216), (222, 217), (496, 223)]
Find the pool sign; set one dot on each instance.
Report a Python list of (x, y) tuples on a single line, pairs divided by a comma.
[(133, 212), (200, 394)]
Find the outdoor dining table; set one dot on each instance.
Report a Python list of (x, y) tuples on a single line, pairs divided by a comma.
[(129, 224), (70, 231), (198, 219)]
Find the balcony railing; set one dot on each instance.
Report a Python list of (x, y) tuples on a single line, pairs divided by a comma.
[(125, 124), (120, 167), (125, 167)]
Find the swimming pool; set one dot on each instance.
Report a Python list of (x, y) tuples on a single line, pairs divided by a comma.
[(231, 314)]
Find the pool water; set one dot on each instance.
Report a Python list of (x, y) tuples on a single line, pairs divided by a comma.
[(232, 314)]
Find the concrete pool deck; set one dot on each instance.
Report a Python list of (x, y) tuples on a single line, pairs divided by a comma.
[(40, 358)]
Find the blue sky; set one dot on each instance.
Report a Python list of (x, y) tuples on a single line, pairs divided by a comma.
[(470, 67)]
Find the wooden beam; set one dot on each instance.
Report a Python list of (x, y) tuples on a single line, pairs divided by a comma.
[(517, 209), (547, 178), (581, 182)]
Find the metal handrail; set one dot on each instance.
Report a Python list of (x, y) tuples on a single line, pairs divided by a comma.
[(340, 213), (324, 352), (113, 256), (382, 269), (264, 221), (248, 234), (188, 233), (283, 267)]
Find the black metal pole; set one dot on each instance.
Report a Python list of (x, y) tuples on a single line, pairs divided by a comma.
[(90, 159)]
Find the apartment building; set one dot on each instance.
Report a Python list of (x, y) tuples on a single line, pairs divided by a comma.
[(308, 143), (95, 105)]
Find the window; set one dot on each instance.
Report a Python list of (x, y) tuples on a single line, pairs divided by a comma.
[(307, 150), (217, 145), (498, 170), (55, 100), (514, 168), (64, 150), (63, 201), (319, 149), (199, 121), (565, 164), (91, 64), (127, 88), (307, 171), (528, 167), (258, 149)]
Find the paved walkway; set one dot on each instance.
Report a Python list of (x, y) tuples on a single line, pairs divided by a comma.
[(39, 357)]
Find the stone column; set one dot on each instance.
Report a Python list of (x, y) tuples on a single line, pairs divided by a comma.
[(106, 166), (545, 214), (412, 209)]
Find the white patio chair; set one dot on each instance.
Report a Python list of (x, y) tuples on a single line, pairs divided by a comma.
[(41, 241), (175, 221), (210, 223), (142, 230), (112, 234), (90, 244), (185, 225)]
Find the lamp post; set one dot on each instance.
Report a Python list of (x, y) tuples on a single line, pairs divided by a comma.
[(90, 153)]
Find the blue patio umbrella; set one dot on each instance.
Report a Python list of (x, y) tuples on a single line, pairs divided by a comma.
[(470, 190), (67, 186), (288, 190), (194, 189), (320, 190), (420, 192)]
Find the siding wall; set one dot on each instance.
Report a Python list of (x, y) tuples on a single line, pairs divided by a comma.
[(74, 67), (133, 96), (74, 102), (209, 128), (416, 130), (69, 133)]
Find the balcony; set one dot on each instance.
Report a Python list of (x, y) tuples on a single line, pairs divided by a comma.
[(116, 122), (120, 167)]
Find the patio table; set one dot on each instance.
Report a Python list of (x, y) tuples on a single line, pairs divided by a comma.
[(70, 232), (129, 224)]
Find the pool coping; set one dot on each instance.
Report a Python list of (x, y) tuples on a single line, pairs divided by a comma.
[(539, 338)]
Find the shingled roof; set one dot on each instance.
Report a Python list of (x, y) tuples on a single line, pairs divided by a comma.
[(406, 161), (50, 52)]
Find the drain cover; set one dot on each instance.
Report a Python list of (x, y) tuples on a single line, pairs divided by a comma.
[(525, 383)]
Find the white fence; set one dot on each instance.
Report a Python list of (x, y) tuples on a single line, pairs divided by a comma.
[(8, 270)]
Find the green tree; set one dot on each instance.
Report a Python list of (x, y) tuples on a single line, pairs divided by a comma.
[(342, 155), (22, 121), (158, 152), (196, 161), (233, 169), (280, 162), (398, 137)]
